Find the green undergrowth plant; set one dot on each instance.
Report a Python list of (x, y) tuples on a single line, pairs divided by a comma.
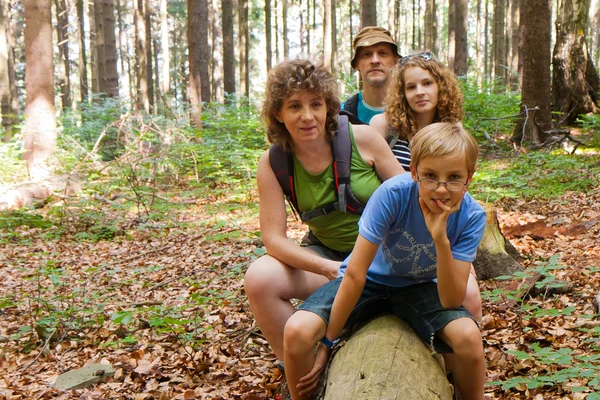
[(560, 366), (537, 175), (488, 113)]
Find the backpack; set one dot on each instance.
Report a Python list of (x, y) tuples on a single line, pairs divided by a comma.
[(351, 110), (282, 164)]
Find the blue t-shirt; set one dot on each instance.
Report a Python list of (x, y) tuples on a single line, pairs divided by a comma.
[(406, 253), (366, 112)]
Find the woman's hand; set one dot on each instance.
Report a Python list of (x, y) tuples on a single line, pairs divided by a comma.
[(331, 269), (310, 382)]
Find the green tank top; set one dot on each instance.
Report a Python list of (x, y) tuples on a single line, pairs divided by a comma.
[(336, 230)]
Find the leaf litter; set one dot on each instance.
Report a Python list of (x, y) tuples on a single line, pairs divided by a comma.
[(169, 313)]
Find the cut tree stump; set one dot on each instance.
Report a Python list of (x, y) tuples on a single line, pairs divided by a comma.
[(496, 256), (386, 359)]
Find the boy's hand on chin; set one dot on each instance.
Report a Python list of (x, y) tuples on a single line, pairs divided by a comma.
[(436, 215)]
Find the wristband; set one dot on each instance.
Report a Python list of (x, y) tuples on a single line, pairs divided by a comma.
[(328, 343)]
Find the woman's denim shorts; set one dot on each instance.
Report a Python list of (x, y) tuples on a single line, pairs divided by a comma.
[(419, 305)]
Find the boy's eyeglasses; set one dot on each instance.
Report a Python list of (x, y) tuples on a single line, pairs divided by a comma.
[(427, 55), (432, 184)]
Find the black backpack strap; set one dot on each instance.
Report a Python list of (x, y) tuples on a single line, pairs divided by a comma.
[(342, 155), (391, 137), (351, 110), (282, 164)]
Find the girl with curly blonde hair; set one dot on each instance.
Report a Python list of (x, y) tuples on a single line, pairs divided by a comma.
[(423, 91)]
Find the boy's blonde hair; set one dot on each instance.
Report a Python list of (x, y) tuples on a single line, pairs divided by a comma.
[(441, 139)]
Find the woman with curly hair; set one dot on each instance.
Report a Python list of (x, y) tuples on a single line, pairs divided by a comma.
[(423, 91), (301, 114)]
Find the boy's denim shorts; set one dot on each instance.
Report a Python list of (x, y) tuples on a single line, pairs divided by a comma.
[(419, 305)]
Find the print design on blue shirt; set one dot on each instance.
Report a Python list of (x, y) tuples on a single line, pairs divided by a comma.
[(415, 252)]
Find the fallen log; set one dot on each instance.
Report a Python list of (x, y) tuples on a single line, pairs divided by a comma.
[(386, 359), (496, 256)]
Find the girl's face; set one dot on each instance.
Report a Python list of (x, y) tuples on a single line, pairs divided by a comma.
[(304, 114), (421, 90)]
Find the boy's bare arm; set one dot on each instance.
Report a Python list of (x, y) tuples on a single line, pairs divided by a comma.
[(452, 275), (351, 286)]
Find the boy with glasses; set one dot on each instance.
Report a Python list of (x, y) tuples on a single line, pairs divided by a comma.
[(417, 237)]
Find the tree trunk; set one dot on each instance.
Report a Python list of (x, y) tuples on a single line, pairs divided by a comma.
[(100, 70), (535, 45), (217, 44), (110, 49), (141, 57), (62, 17), (478, 55), (430, 28), (95, 84), (368, 13), (486, 41), (386, 359), (8, 100), (571, 94), (194, 83), (284, 29), (148, 12), (165, 83), (451, 33), (498, 41), (40, 123), (327, 35), (82, 60), (243, 47), (269, 45), (204, 50), (513, 76), (496, 256), (228, 50), (461, 64)]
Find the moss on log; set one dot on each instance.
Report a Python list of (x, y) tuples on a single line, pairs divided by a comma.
[(386, 359)]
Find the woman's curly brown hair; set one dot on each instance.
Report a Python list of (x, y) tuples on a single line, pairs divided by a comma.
[(289, 78), (401, 118)]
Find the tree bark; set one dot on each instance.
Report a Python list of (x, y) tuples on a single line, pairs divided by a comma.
[(243, 47), (82, 59), (111, 84), (461, 63), (386, 359), (368, 13), (40, 123), (498, 42), (513, 76), (571, 93), (205, 51), (268, 43), (194, 82), (228, 50), (100, 70), (148, 12), (451, 33), (165, 83), (535, 45), (62, 17), (8, 100), (141, 56), (327, 35), (496, 256)]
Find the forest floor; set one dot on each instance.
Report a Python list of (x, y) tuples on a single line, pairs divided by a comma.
[(167, 309)]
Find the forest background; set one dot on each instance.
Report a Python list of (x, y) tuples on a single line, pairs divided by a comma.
[(128, 202)]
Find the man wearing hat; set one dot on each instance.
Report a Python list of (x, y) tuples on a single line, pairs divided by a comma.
[(375, 54)]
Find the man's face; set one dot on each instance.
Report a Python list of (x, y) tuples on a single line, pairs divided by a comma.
[(375, 64)]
